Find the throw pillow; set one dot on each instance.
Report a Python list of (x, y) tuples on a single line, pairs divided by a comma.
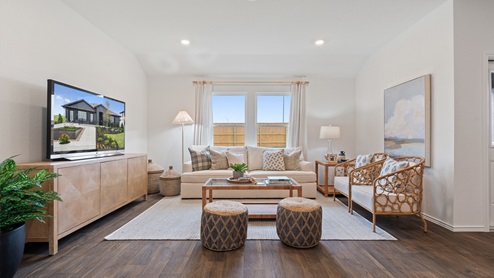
[(273, 160), (294, 149), (363, 160), (255, 157), (235, 158), (391, 166), (201, 160), (292, 160), (218, 160)]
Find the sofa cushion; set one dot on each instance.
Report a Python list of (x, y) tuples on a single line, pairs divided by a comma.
[(255, 157), (235, 158), (273, 160), (201, 177), (201, 160), (295, 149), (363, 160), (219, 160), (299, 176), (292, 160)]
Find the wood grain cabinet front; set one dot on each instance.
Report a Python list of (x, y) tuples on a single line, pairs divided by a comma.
[(90, 189)]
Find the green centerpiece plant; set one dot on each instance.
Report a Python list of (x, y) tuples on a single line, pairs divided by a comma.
[(21, 198), (238, 170)]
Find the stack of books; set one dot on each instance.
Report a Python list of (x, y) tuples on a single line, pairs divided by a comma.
[(278, 180)]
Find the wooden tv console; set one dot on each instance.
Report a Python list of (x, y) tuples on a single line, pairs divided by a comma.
[(90, 189)]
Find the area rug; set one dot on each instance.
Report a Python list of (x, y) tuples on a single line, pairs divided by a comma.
[(175, 219)]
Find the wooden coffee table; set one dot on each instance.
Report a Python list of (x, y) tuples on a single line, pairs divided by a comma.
[(256, 210)]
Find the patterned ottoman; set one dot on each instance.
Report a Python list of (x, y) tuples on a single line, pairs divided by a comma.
[(224, 225), (299, 222)]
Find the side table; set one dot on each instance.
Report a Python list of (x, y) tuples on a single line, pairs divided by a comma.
[(326, 187)]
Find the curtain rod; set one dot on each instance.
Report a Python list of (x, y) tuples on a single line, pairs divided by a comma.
[(251, 82)]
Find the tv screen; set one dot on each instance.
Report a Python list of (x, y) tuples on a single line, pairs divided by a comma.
[(83, 124)]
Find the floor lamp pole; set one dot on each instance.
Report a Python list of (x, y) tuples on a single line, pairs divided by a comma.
[(182, 146)]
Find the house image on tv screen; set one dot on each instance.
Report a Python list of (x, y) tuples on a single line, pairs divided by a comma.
[(82, 112)]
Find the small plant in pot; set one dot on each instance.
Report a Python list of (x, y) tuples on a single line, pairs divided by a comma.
[(238, 170), (21, 199)]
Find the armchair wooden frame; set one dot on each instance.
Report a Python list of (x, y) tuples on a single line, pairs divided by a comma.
[(359, 176), (397, 193)]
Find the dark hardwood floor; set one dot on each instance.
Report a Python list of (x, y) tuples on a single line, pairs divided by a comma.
[(438, 253)]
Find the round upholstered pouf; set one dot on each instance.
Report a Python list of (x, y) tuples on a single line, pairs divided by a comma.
[(299, 222), (224, 225)]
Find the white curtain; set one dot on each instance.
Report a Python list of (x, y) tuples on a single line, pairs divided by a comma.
[(297, 128), (203, 133)]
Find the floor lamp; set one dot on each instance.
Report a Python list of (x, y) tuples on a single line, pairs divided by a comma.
[(182, 118), (329, 132)]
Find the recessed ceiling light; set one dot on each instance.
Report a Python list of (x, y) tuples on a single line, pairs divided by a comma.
[(319, 42), (185, 42)]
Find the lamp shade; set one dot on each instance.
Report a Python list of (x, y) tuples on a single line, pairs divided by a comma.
[(329, 132), (182, 118)]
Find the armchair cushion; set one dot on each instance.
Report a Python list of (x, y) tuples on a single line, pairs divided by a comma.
[(363, 160), (391, 165), (341, 184), (273, 160), (201, 160)]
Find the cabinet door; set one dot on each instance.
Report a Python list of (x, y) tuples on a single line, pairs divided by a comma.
[(137, 170), (113, 184), (79, 188)]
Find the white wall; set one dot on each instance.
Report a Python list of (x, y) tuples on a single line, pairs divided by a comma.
[(473, 38), (46, 39), (329, 101), (425, 48)]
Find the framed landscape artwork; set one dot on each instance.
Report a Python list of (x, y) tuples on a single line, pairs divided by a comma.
[(407, 119)]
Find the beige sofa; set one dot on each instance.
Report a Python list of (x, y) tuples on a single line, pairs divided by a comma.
[(192, 181)]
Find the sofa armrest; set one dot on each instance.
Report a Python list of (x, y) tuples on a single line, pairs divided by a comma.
[(187, 167), (306, 166)]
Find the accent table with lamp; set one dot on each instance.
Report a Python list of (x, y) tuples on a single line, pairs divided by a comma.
[(325, 188), (327, 132)]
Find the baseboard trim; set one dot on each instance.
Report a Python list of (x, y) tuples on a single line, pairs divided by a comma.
[(438, 222), (454, 228)]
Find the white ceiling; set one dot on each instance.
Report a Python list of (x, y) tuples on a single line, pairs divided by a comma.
[(253, 38)]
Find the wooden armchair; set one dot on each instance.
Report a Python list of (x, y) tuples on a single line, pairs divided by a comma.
[(346, 175), (396, 193)]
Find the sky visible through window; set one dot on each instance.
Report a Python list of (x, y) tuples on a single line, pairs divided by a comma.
[(270, 109)]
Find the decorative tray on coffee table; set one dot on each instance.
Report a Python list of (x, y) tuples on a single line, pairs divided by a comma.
[(241, 180)]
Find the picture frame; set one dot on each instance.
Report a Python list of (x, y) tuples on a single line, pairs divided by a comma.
[(407, 120), (332, 158)]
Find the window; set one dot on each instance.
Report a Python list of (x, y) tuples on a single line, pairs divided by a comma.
[(250, 118), (273, 114), (81, 115), (228, 120)]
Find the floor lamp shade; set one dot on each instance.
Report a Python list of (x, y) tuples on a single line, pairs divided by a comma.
[(182, 119)]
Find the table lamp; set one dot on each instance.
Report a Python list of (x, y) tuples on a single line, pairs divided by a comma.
[(329, 132)]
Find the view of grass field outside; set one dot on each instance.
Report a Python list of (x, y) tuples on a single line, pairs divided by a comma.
[(229, 114)]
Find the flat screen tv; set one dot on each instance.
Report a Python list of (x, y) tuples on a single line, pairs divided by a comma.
[(83, 124)]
